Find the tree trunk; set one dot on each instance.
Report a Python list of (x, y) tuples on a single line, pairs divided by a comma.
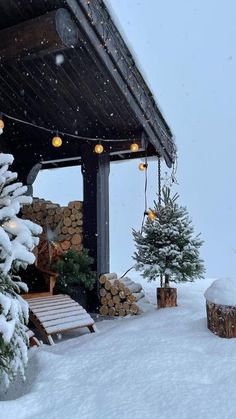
[(221, 320), (167, 278), (166, 297)]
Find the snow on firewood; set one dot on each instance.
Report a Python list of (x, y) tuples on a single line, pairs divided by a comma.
[(120, 296)]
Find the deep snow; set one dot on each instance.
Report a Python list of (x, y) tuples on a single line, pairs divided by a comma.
[(162, 364)]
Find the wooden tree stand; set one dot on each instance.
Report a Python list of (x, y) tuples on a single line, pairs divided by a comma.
[(221, 320), (166, 297)]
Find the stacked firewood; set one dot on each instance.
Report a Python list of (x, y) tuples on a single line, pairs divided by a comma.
[(62, 227), (119, 296)]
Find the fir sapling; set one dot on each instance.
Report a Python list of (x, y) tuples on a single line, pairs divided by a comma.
[(17, 240), (167, 246)]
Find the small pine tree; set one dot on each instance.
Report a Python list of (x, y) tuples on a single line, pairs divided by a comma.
[(166, 246), (17, 240), (74, 268)]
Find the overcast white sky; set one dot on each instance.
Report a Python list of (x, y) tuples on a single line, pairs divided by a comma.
[(186, 50)]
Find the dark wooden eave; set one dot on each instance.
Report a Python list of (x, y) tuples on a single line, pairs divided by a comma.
[(97, 91)]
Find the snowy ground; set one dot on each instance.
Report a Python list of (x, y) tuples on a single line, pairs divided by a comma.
[(163, 364)]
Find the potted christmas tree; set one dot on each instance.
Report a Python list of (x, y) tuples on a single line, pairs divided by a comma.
[(167, 249)]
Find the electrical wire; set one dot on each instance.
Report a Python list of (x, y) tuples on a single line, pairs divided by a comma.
[(145, 205), (79, 137)]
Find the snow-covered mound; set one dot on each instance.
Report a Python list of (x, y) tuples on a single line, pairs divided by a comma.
[(161, 365), (222, 291)]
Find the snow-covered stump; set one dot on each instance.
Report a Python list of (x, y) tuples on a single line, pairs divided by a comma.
[(166, 297), (221, 320), (221, 308)]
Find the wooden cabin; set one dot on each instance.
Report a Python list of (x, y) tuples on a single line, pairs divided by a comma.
[(64, 66)]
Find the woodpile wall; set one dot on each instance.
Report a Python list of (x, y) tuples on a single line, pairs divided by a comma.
[(119, 297), (62, 227)]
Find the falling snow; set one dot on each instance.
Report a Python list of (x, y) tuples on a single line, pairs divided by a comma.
[(59, 59)]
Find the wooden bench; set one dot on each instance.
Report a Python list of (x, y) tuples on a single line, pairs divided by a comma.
[(52, 314), (57, 314)]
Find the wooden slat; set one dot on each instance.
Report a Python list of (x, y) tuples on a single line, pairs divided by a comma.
[(57, 310), (45, 317), (60, 322), (52, 304), (33, 295), (54, 308), (68, 326), (53, 314), (49, 298)]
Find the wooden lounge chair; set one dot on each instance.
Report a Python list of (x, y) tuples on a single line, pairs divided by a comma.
[(57, 314), (52, 314)]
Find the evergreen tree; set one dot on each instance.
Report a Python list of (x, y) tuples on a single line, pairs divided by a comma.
[(17, 240), (166, 246)]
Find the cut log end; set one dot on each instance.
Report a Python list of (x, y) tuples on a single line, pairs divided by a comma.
[(221, 320)]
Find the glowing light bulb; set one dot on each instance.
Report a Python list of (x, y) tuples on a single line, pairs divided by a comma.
[(1, 124), (56, 141), (98, 148), (142, 166), (151, 215), (134, 147)]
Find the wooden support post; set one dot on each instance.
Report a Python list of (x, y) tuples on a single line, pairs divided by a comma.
[(95, 170), (45, 34)]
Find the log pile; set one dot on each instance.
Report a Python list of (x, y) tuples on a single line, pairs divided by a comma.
[(119, 296), (62, 228)]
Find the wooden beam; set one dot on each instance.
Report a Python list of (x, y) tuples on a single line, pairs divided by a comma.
[(95, 170), (122, 147), (45, 34)]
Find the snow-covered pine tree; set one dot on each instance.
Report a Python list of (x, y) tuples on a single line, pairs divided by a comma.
[(166, 247), (17, 240)]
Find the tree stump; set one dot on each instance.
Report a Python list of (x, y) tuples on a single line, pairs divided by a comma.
[(166, 297), (221, 320)]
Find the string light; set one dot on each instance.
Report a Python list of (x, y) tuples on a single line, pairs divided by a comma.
[(142, 166), (150, 214), (1, 124), (56, 141), (67, 134), (98, 149), (134, 147)]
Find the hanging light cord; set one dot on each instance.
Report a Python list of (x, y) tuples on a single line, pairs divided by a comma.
[(159, 198), (145, 192), (159, 180), (145, 206), (79, 137)]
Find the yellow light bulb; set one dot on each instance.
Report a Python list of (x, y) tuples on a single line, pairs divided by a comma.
[(142, 166), (151, 215), (134, 147), (1, 124), (98, 148), (56, 141)]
